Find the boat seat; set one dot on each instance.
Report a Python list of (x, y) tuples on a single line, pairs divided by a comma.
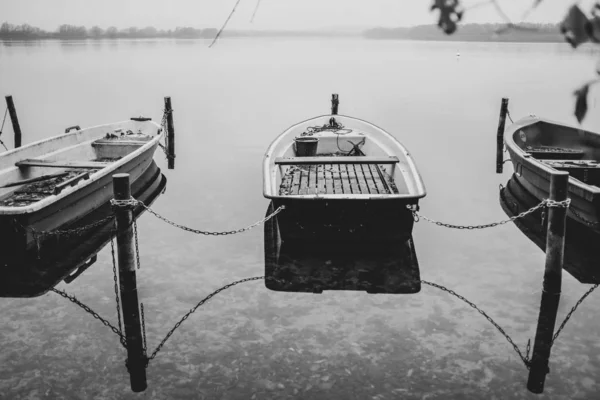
[(61, 164), (336, 160), (554, 153)]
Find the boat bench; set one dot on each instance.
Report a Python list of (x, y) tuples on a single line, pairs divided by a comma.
[(62, 164), (554, 153), (336, 160), (587, 171)]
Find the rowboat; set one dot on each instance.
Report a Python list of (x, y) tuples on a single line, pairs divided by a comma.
[(341, 177), (68, 256), (538, 147), (54, 182)]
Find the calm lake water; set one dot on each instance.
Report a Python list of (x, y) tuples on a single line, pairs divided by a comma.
[(248, 342)]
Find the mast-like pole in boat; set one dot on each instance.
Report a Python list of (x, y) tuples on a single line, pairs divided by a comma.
[(500, 135), (15, 121), (136, 357), (555, 249), (335, 101)]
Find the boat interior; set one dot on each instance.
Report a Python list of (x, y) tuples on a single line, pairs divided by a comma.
[(335, 159), (41, 169), (563, 148)]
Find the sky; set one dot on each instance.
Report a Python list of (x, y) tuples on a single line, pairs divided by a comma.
[(272, 14)]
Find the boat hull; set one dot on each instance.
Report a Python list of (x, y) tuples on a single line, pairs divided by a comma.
[(345, 220), (21, 231), (35, 272), (581, 241)]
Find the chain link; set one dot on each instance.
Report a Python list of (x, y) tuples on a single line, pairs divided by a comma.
[(586, 294), (137, 245), (207, 298), (94, 314), (67, 232), (200, 232), (524, 358), (544, 203), (582, 218), (144, 331), (118, 302)]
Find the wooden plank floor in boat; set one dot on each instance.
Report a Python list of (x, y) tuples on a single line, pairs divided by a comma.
[(339, 179)]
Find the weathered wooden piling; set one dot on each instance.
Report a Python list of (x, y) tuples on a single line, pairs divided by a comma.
[(15, 121), (170, 134), (136, 358), (500, 135), (335, 102), (555, 247)]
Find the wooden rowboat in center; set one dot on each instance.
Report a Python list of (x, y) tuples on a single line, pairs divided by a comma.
[(342, 178)]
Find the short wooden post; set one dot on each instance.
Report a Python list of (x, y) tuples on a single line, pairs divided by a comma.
[(15, 121), (555, 247), (335, 102), (170, 134), (500, 135), (136, 358)]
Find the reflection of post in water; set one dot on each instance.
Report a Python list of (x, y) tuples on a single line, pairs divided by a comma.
[(555, 245), (136, 358)]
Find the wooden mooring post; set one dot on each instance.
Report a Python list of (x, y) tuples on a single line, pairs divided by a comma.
[(555, 248), (170, 134), (136, 358), (14, 120), (335, 102), (500, 135)]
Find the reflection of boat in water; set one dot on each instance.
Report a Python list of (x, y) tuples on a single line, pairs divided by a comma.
[(66, 256), (315, 266), (581, 241)]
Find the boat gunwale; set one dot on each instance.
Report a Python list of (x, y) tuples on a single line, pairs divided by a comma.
[(269, 163), (94, 177), (532, 162)]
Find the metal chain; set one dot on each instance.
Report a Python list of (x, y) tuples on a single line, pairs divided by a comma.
[(144, 330), (93, 313), (67, 232), (118, 302), (524, 358), (586, 294), (582, 218), (200, 232), (207, 298), (509, 117), (137, 245), (544, 203)]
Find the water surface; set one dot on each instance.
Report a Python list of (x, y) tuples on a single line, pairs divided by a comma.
[(230, 102)]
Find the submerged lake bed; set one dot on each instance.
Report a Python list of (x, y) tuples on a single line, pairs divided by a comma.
[(230, 102)]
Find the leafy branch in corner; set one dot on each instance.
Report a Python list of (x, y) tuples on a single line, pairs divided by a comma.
[(576, 28)]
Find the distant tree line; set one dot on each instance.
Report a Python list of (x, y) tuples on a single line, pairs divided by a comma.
[(65, 31), (526, 32)]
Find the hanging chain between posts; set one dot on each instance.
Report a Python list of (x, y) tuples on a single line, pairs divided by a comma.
[(586, 294), (524, 358), (545, 203), (192, 310), (94, 314), (133, 202)]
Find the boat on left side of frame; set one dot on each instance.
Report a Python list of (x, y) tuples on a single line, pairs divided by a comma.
[(64, 257), (57, 181)]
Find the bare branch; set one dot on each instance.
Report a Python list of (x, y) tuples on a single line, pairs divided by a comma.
[(225, 24), (255, 10)]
